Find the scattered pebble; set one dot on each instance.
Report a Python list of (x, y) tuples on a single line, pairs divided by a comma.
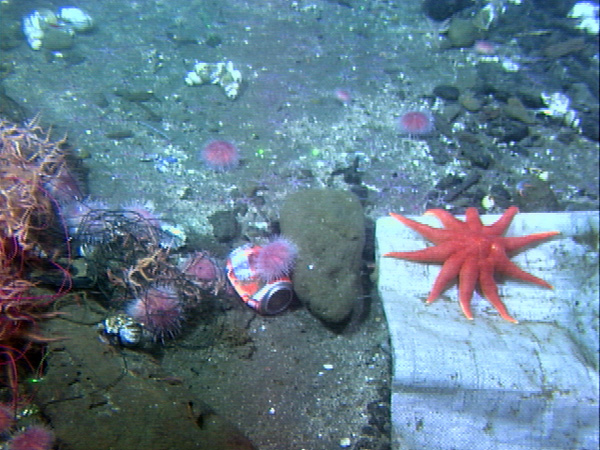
[(345, 442)]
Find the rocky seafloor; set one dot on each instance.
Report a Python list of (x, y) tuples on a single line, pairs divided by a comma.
[(325, 83)]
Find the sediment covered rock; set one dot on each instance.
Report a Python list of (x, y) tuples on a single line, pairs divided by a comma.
[(328, 228)]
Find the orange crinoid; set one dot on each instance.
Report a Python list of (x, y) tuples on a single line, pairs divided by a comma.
[(473, 252)]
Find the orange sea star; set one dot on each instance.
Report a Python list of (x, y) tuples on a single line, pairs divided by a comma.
[(473, 252)]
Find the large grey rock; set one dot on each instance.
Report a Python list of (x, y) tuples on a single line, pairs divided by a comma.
[(328, 228), (489, 384), (105, 398)]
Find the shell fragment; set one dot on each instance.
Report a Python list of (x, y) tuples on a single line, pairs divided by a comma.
[(586, 14), (43, 24), (77, 18), (34, 25), (223, 74)]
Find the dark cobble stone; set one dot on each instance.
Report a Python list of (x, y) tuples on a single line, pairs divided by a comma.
[(449, 181), (440, 153), (501, 196), (471, 179), (442, 9), (589, 126), (508, 130), (378, 407), (477, 156), (537, 195), (213, 40), (379, 416), (364, 444), (446, 92), (384, 392), (531, 99), (519, 150), (368, 430), (225, 226), (514, 132)]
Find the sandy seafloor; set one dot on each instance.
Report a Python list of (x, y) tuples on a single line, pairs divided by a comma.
[(294, 133)]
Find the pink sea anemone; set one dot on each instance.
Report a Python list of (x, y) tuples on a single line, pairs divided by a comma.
[(416, 123)]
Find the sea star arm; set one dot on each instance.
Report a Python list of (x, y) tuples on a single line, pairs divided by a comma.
[(467, 279), (500, 225), (490, 291), (447, 219), (473, 221), (435, 235), (515, 243), (505, 266), (449, 271), (438, 253)]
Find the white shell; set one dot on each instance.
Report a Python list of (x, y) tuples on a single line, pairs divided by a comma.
[(130, 333), (34, 25), (77, 18), (192, 78), (223, 74), (559, 106), (68, 20), (123, 327), (587, 13), (583, 10), (33, 32), (557, 102)]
